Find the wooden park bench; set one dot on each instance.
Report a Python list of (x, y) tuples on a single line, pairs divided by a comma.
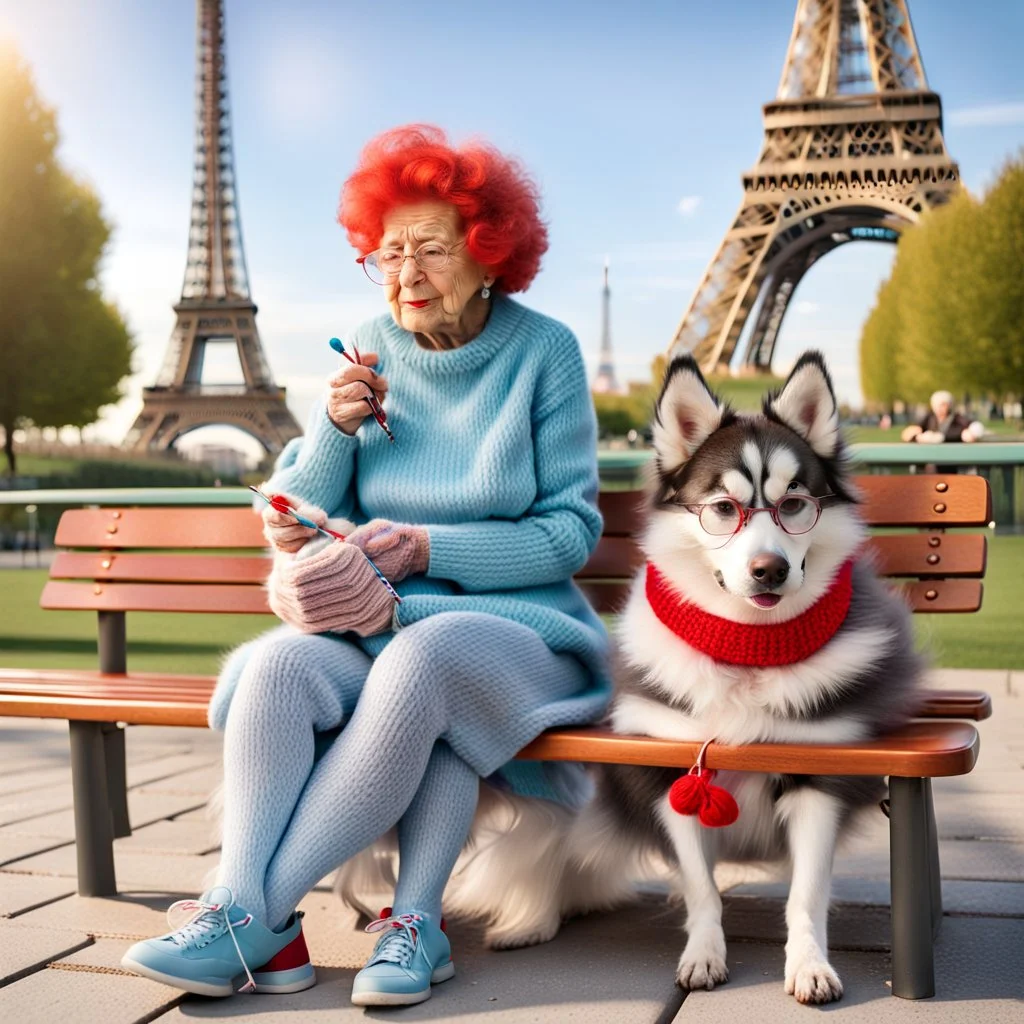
[(121, 560)]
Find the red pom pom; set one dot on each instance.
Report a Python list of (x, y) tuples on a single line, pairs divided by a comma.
[(719, 808), (688, 794)]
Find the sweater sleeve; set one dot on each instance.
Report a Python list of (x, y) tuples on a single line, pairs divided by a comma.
[(555, 537), (319, 467)]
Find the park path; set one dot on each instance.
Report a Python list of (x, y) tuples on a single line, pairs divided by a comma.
[(59, 953)]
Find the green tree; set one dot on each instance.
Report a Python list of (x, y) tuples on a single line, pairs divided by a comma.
[(998, 296), (880, 341), (63, 349)]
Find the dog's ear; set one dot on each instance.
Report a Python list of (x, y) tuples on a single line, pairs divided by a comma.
[(807, 404), (686, 415)]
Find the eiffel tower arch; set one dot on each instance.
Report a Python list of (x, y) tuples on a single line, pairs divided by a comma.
[(215, 306), (853, 149)]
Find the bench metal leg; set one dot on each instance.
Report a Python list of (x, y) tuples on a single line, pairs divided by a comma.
[(94, 833), (913, 898), (934, 869), (117, 779)]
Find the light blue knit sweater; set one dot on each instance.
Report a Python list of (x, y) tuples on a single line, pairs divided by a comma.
[(495, 456)]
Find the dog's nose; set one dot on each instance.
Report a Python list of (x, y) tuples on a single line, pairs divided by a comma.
[(769, 569)]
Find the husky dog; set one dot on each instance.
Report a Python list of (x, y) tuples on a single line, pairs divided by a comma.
[(756, 619)]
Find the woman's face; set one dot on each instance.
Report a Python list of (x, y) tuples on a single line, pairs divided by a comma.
[(430, 301)]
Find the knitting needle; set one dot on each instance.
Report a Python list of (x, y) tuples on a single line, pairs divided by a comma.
[(280, 506), (371, 399)]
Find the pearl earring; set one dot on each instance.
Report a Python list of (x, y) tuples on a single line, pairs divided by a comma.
[(485, 292)]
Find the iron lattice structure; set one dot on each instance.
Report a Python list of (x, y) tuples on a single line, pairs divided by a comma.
[(605, 381), (853, 149), (215, 306)]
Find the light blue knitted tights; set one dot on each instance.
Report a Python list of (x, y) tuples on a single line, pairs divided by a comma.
[(412, 733)]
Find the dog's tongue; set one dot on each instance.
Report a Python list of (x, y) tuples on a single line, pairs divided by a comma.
[(766, 600)]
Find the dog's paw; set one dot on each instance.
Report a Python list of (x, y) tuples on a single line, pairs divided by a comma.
[(813, 981), (702, 964), (517, 937)]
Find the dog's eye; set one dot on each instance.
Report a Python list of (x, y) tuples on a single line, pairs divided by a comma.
[(794, 486), (724, 509)]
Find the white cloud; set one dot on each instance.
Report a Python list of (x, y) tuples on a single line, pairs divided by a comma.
[(994, 114), (687, 206), (805, 307)]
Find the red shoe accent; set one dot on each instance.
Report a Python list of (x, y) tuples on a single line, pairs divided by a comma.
[(385, 913), (295, 954)]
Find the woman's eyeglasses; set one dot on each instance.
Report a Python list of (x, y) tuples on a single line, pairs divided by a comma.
[(385, 265), (793, 513)]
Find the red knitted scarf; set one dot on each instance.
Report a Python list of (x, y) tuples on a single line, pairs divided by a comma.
[(737, 643)]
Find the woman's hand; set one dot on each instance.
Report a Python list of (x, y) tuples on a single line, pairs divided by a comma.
[(397, 549), (910, 433), (333, 591), (349, 386), (282, 531)]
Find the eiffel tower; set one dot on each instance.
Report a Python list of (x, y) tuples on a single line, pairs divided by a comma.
[(215, 304), (853, 149), (605, 382)]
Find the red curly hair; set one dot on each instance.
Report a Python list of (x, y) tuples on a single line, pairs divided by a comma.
[(497, 201)]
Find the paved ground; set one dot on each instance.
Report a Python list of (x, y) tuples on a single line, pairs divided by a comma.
[(59, 953)]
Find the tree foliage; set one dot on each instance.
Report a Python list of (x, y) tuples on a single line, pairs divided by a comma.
[(951, 314), (63, 348)]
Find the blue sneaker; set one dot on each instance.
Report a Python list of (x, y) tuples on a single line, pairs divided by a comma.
[(213, 941), (411, 955)]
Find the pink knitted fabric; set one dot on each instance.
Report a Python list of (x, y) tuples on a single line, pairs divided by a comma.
[(782, 643), (334, 590), (397, 549)]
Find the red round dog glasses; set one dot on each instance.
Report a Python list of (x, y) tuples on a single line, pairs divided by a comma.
[(793, 513)]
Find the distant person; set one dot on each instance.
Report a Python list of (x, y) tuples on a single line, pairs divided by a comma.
[(942, 424), (480, 513)]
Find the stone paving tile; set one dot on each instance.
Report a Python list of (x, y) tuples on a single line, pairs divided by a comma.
[(16, 806), (49, 996), (199, 782), (759, 919), (129, 916), (103, 955), (183, 873), (26, 949), (13, 848), (969, 859), (979, 976), (990, 899), (19, 892), (25, 782), (177, 837), (143, 809), (156, 774), (984, 816)]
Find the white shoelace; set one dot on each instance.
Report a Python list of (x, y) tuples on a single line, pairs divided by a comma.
[(205, 919), (398, 946)]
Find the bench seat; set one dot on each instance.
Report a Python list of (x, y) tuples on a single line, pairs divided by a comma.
[(155, 698)]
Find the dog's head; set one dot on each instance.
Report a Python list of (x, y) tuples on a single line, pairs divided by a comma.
[(714, 468)]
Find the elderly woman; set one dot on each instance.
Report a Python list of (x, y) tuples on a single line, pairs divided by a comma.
[(943, 423), (479, 514)]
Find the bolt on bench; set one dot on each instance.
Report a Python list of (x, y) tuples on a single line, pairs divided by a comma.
[(124, 560)]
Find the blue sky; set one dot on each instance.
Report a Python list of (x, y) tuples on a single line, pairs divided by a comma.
[(635, 118)]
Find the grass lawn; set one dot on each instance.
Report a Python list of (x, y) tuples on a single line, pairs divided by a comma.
[(33, 638)]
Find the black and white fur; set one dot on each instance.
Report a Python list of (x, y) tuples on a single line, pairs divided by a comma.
[(554, 863), (857, 685)]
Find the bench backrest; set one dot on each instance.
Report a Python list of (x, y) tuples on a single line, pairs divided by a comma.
[(215, 560)]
